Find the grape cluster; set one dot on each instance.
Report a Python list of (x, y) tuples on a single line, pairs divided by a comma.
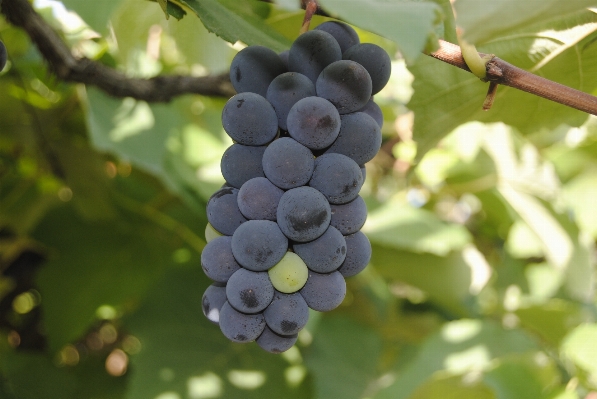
[(284, 231)]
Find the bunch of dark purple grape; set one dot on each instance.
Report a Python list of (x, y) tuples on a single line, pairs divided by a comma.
[(284, 231)]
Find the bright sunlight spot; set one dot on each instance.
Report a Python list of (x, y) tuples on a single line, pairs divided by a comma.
[(461, 330), (207, 386), (247, 379)]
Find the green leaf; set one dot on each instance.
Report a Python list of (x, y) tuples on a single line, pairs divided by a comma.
[(96, 15), (399, 225), (448, 281), (482, 21), (233, 21), (522, 376), (343, 358), (563, 51), (408, 23), (183, 354), (580, 194), (447, 386), (460, 346), (106, 262), (579, 346)]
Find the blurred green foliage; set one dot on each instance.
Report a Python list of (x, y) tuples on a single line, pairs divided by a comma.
[(483, 224)]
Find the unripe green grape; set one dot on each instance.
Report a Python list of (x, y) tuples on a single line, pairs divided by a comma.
[(290, 274), (211, 233)]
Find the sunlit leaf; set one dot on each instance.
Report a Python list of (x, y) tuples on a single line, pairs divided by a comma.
[(408, 23)]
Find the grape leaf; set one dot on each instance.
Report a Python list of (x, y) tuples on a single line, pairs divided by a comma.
[(408, 23), (564, 51), (484, 20), (96, 16), (233, 21)]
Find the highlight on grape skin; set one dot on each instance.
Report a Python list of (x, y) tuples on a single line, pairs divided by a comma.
[(290, 274), (284, 231)]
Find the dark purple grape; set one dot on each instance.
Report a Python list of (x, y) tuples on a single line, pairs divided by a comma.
[(249, 292), (375, 60), (311, 52), (217, 259), (222, 211), (359, 138), (258, 199), (373, 110), (287, 314), (284, 57), (287, 163), (3, 56), (254, 68), (358, 254), (344, 34), (285, 90), (314, 122), (346, 84), (350, 217), (213, 299), (250, 119), (303, 214), (241, 163), (324, 292), (275, 343), (324, 254), (259, 244), (337, 177), (240, 327)]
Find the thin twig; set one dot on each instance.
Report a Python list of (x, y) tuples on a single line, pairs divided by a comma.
[(504, 73), (490, 96), (310, 9), (68, 68)]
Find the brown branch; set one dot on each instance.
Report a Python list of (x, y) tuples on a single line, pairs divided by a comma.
[(504, 73), (83, 70)]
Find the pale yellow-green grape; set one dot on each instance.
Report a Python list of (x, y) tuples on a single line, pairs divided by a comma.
[(211, 233), (290, 274)]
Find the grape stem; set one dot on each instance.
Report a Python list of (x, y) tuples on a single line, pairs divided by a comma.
[(501, 72), (310, 9)]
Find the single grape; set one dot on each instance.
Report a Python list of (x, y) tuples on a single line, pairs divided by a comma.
[(287, 163), (250, 119), (287, 314), (337, 177), (324, 254), (217, 260), (254, 68), (249, 292), (375, 60), (241, 163), (211, 233), (275, 343), (324, 292), (303, 214), (284, 57), (3, 55), (344, 34), (289, 275), (350, 217), (373, 110), (258, 199), (222, 211), (213, 299), (311, 52), (359, 138), (285, 90), (358, 254), (259, 244), (346, 84), (240, 327), (314, 122)]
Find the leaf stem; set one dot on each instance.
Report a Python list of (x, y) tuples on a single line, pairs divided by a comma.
[(504, 73), (310, 9), (475, 62)]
